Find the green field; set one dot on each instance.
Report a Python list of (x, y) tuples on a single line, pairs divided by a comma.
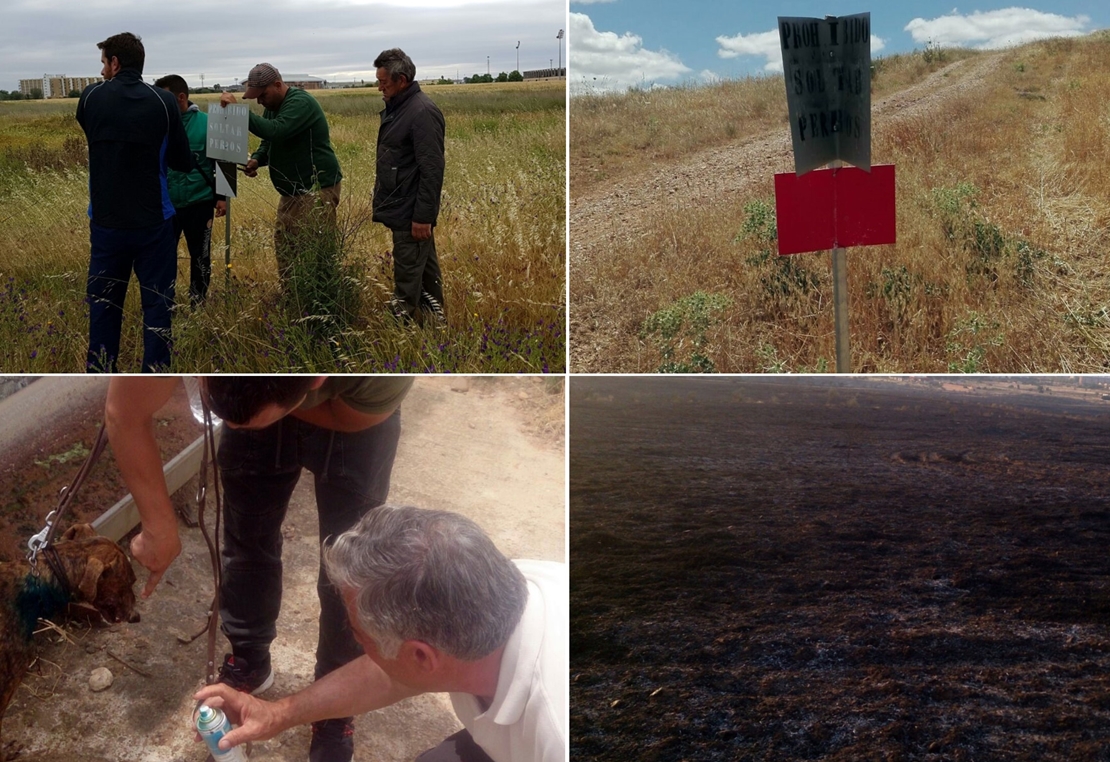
[(501, 242)]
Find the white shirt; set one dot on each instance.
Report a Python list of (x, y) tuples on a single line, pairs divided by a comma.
[(527, 721)]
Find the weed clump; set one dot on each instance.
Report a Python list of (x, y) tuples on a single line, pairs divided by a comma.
[(680, 331)]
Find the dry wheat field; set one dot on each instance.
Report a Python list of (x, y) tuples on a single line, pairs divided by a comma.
[(501, 240)]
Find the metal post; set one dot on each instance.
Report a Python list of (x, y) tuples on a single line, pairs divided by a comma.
[(840, 305), (227, 245), (840, 301)]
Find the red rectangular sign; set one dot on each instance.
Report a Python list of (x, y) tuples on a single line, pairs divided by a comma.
[(832, 208)]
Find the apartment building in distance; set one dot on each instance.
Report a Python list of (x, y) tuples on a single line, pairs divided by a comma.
[(57, 86)]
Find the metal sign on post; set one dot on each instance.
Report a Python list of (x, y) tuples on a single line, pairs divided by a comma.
[(827, 64), (227, 132), (227, 144)]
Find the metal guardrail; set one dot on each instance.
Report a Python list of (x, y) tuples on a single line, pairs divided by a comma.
[(122, 517)]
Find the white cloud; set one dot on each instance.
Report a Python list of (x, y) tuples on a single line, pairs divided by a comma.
[(766, 45), (709, 77), (607, 61), (995, 29)]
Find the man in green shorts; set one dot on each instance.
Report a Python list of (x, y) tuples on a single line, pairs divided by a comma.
[(296, 146)]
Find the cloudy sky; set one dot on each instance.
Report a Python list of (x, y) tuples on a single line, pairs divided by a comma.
[(332, 39), (616, 44)]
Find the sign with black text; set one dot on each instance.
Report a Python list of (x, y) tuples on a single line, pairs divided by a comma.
[(227, 132), (827, 64)]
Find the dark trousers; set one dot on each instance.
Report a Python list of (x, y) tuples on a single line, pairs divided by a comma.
[(260, 469), (196, 223), (151, 253), (459, 747), (415, 273)]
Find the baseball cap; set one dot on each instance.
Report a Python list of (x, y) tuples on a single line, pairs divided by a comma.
[(261, 75)]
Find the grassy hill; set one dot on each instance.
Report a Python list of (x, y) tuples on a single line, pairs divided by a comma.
[(1003, 204)]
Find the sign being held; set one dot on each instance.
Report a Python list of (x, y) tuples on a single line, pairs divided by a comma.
[(827, 63), (227, 132)]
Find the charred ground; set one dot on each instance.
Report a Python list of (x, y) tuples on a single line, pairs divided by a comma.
[(791, 569)]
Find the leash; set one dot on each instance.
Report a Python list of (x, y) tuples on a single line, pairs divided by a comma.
[(43, 539), (208, 456)]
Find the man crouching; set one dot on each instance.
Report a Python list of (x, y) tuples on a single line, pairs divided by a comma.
[(437, 608)]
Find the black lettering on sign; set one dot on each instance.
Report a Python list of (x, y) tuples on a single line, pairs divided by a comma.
[(796, 75), (799, 35), (832, 28), (857, 31), (815, 81)]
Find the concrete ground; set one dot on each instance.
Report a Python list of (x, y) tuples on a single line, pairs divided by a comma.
[(491, 449)]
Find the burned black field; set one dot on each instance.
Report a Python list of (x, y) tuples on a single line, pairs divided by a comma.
[(789, 569)]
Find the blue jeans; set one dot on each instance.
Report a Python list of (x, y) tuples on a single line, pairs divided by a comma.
[(152, 253), (260, 469)]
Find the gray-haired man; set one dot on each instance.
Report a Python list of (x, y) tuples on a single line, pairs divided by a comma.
[(408, 185), (437, 608)]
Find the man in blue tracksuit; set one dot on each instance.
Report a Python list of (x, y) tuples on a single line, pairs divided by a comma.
[(134, 133)]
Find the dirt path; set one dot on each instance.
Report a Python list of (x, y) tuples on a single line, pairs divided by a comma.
[(488, 448), (623, 211)]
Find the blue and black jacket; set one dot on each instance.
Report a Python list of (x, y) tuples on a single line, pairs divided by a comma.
[(135, 133)]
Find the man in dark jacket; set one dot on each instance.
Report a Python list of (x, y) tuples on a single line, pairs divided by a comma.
[(135, 134), (408, 185), (193, 193)]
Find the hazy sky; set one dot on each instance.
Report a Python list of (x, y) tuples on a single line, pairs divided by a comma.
[(616, 44), (331, 39)]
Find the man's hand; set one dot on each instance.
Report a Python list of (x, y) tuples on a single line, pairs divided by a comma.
[(251, 169), (221, 208), (257, 720), (226, 98), (421, 231), (155, 552)]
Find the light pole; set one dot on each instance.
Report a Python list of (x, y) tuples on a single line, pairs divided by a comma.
[(487, 66), (559, 37), (518, 56)]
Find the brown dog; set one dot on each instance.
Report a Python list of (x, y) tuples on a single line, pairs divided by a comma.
[(98, 584)]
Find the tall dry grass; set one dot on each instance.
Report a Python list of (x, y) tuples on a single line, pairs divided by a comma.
[(1003, 200), (501, 242), (614, 134)]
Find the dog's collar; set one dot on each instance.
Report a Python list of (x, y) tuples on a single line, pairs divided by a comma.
[(55, 563)]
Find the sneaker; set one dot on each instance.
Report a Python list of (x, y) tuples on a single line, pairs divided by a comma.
[(332, 740), (237, 673)]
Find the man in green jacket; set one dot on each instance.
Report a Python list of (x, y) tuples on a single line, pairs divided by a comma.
[(297, 147), (193, 193)]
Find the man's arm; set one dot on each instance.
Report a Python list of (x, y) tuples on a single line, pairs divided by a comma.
[(427, 140), (357, 687), (129, 419), (178, 154), (294, 116)]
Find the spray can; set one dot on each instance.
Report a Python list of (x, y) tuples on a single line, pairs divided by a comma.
[(212, 724)]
